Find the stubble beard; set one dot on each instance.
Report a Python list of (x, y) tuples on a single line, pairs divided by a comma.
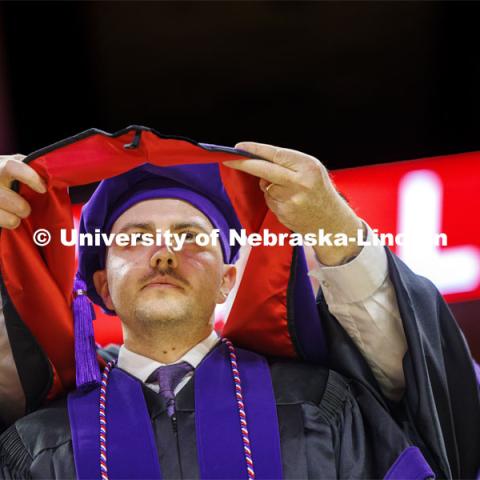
[(176, 318), (157, 317)]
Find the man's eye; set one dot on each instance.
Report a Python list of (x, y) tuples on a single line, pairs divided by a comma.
[(133, 239), (189, 236)]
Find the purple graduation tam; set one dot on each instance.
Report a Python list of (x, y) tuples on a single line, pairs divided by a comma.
[(199, 184)]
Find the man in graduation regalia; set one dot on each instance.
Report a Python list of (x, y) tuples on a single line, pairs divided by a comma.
[(181, 403)]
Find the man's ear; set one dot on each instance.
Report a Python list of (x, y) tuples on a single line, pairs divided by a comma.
[(101, 286), (228, 282)]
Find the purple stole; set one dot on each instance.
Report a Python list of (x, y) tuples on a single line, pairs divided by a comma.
[(132, 452)]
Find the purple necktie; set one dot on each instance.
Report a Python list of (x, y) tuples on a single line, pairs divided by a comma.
[(168, 377)]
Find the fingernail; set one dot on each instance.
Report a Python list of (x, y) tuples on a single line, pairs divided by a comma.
[(242, 146)]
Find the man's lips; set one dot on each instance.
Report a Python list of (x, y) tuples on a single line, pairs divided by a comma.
[(162, 283)]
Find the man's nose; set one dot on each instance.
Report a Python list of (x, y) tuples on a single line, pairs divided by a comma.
[(163, 259)]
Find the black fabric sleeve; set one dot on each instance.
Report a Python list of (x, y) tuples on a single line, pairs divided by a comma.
[(39, 445), (441, 407), (32, 364), (15, 460), (366, 440)]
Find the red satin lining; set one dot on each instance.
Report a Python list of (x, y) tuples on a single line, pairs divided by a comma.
[(40, 280)]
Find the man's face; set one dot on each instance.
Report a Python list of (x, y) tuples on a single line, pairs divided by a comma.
[(155, 285)]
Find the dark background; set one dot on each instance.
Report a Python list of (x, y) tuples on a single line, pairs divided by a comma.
[(351, 83)]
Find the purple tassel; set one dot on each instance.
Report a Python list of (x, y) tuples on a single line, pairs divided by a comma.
[(87, 369)]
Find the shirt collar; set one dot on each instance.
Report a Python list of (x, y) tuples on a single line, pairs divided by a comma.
[(141, 367)]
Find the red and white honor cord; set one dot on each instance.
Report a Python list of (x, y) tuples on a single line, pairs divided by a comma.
[(241, 411), (103, 420), (241, 408)]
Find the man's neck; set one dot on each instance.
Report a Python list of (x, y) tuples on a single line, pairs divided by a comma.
[(166, 347)]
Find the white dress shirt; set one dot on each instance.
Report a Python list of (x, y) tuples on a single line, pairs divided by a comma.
[(362, 298), (142, 367)]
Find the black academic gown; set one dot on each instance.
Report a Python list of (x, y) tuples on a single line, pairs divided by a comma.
[(329, 428)]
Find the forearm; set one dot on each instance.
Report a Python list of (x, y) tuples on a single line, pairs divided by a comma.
[(343, 222)]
